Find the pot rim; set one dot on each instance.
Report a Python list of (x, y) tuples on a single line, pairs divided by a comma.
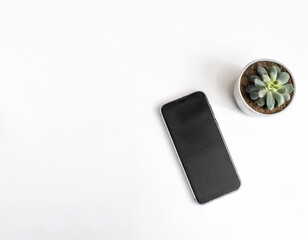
[(269, 60)]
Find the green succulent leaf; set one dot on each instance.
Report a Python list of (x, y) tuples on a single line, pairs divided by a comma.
[(289, 88), (253, 77), (252, 88), (266, 78), (261, 101), (254, 95), (259, 83), (262, 92), (278, 70), (283, 78), (262, 71), (273, 73), (282, 90), (270, 100), (279, 98), (286, 96)]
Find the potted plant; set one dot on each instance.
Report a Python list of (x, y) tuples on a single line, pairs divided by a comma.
[(265, 87)]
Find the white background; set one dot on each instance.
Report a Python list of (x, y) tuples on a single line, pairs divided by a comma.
[(83, 151)]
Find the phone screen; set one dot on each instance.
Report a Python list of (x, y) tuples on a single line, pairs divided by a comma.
[(200, 147)]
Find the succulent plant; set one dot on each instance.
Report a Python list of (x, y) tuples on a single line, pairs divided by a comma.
[(270, 86)]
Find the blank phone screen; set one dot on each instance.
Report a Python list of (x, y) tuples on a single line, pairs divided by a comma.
[(200, 147)]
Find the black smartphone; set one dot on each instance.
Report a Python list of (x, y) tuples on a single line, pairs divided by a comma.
[(200, 147)]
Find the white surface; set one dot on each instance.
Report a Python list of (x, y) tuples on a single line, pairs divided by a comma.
[(83, 151)]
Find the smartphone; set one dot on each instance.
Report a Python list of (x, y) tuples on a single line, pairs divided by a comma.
[(200, 147)]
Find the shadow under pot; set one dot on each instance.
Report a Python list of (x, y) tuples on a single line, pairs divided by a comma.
[(264, 88)]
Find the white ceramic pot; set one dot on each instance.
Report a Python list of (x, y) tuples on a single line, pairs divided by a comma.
[(242, 103)]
